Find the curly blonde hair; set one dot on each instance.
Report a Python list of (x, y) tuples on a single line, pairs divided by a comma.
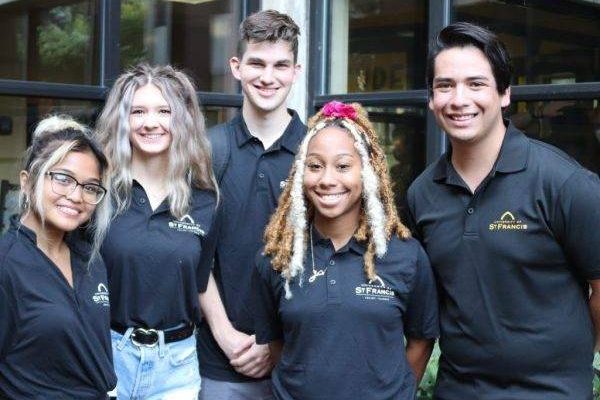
[(285, 235)]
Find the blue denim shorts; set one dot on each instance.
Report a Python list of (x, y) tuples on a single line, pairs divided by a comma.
[(165, 371)]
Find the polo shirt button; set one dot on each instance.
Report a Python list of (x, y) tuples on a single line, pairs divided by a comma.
[(331, 262), (142, 200), (261, 175), (470, 210), (332, 282)]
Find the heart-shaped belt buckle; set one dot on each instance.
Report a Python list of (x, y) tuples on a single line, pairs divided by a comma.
[(150, 335)]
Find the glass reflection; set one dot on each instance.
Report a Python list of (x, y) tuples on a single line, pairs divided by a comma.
[(52, 41), (377, 45), (198, 36), (549, 41), (402, 134), (573, 126)]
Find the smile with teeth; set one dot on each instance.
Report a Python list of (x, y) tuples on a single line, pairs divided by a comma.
[(266, 90), (462, 117), (331, 197), (68, 210), (151, 136)]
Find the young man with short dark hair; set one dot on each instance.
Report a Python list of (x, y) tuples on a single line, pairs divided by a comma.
[(252, 155), (510, 225)]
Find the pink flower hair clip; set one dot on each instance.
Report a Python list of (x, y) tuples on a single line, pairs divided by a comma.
[(336, 109)]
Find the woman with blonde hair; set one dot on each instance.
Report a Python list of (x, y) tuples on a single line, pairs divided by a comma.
[(54, 302), (340, 282), (160, 245)]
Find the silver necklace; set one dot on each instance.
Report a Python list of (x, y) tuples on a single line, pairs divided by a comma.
[(315, 272)]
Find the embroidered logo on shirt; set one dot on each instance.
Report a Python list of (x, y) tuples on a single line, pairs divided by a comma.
[(508, 222), (187, 224), (101, 295), (375, 289)]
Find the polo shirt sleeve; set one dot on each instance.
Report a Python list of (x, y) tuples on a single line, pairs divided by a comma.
[(7, 321), (209, 246), (421, 319), (576, 222), (267, 324)]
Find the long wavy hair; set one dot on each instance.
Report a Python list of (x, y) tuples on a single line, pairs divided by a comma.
[(189, 153), (286, 233), (53, 139)]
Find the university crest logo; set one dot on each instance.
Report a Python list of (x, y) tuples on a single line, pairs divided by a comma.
[(187, 224), (101, 295), (375, 289), (508, 222)]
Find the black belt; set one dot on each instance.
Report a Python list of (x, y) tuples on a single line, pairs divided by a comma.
[(149, 337)]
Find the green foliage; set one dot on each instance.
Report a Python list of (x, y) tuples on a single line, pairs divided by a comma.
[(425, 391), (133, 49), (597, 376), (65, 39)]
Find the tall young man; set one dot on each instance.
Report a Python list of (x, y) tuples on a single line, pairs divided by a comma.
[(510, 225), (260, 148)]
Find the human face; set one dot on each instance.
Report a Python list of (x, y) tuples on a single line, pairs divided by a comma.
[(149, 122), (266, 73), (465, 100), (332, 177), (67, 212)]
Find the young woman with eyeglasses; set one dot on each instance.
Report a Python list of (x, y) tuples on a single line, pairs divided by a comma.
[(54, 302), (161, 242), (341, 283)]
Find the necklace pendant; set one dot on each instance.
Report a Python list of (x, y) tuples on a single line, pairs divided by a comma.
[(316, 273)]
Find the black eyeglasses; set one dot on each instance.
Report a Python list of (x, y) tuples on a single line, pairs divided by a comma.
[(65, 184)]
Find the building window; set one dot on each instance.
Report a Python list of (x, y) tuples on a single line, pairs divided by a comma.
[(218, 115), (401, 134), (572, 126), (551, 42), (196, 36), (52, 41), (377, 45)]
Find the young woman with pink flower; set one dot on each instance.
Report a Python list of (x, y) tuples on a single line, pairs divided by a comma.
[(341, 283)]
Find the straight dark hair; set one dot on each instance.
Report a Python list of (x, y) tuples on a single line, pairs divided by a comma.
[(463, 34)]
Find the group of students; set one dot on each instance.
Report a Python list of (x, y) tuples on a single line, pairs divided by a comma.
[(266, 259)]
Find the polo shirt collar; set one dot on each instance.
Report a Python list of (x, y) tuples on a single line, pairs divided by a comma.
[(513, 156), (290, 139), (75, 239), (514, 151), (138, 190), (15, 223)]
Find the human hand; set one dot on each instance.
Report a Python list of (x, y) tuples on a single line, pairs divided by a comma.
[(256, 362), (234, 343)]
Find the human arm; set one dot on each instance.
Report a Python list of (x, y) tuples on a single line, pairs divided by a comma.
[(575, 223), (418, 352), (233, 342), (595, 310), (421, 322), (261, 357)]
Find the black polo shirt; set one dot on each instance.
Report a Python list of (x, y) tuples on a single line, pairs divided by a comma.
[(250, 187), (156, 263), (512, 260), (343, 337), (54, 338)]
